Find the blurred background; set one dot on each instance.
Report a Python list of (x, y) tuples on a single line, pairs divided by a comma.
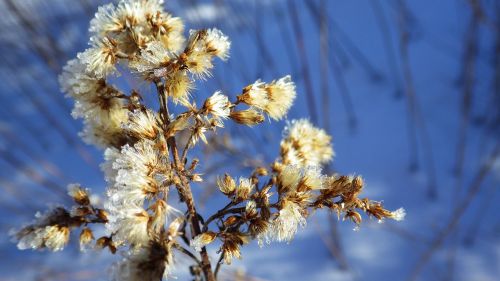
[(410, 91)]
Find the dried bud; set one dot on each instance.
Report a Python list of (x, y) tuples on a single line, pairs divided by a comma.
[(354, 216), (288, 179), (79, 194), (311, 180), (248, 117), (179, 85), (231, 220), (357, 183), (86, 237), (217, 43), (377, 210), (103, 215), (231, 250), (227, 185), (202, 240), (104, 242), (261, 171), (194, 163)]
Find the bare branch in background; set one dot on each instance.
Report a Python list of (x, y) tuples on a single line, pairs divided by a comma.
[(457, 214), (415, 118)]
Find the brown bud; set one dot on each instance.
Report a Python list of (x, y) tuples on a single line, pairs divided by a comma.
[(86, 237), (357, 183), (248, 117), (261, 171), (103, 215), (104, 242), (231, 220), (354, 216), (79, 194)]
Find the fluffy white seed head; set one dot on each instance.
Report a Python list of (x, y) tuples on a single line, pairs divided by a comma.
[(101, 58), (284, 227), (218, 43), (304, 145), (281, 95), (142, 124), (218, 105), (152, 59), (399, 214), (255, 95), (130, 225)]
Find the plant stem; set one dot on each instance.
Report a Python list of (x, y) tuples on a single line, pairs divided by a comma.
[(184, 187)]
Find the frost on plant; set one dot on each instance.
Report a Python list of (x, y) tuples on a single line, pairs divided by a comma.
[(145, 161)]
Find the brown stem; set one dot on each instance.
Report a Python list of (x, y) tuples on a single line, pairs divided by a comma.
[(221, 213), (184, 187)]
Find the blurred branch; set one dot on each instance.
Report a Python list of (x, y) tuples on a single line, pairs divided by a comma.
[(457, 214), (415, 117), (299, 41)]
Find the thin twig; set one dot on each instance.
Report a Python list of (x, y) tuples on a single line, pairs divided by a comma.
[(187, 253)]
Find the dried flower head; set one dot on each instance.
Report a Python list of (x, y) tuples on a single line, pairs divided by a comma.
[(305, 145), (142, 124), (101, 58), (217, 105), (79, 194), (274, 98), (227, 185), (287, 222)]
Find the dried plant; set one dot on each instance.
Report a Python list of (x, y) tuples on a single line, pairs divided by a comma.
[(145, 161)]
